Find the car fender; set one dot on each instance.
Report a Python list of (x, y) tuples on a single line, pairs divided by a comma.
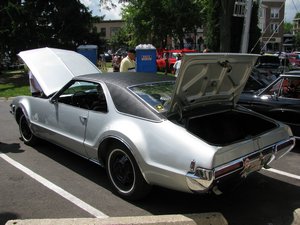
[(22, 106), (155, 156)]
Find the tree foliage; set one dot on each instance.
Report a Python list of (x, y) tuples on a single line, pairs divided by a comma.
[(211, 10), (153, 21), (288, 28), (27, 24)]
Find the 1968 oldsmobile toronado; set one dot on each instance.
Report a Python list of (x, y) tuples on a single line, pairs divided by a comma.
[(186, 134)]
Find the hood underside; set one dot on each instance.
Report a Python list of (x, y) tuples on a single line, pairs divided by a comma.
[(53, 68), (210, 78)]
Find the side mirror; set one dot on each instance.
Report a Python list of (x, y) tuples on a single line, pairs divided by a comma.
[(275, 95), (53, 100)]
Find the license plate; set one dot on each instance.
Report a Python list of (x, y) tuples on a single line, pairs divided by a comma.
[(251, 166)]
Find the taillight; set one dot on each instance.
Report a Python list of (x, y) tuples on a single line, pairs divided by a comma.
[(228, 169)]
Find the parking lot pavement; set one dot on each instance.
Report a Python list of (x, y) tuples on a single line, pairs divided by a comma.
[(216, 216), (188, 219)]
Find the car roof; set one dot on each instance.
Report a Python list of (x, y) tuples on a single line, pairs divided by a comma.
[(293, 72), (124, 100), (125, 80)]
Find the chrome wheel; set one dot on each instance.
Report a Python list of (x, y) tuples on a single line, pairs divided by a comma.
[(121, 171), (25, 132), (124, 173)]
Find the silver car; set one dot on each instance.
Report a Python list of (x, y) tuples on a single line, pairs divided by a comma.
[(186, 134)]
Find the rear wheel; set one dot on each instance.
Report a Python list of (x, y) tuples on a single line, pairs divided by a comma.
[(124, 174), (27, 136)]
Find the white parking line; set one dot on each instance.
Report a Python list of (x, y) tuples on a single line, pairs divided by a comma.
[(86, 207), (283, 173)]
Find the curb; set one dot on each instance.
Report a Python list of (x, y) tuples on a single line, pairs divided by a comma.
[(186, 219)]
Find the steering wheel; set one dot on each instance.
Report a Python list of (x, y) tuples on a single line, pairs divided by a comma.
[(77, 98)]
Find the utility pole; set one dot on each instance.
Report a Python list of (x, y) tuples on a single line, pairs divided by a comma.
[(246, 27), (243, 8)]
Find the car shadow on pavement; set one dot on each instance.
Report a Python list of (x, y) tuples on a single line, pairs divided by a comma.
[(13, 148), (87, 169), (260, 200), (5, 216)]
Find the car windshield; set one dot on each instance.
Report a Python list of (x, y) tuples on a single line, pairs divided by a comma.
[(157, 95)]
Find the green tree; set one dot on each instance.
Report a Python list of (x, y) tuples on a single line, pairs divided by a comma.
[(211, 10), (27, 24), (225, 20), (221, 26), (297, 35), (152, 21), (58, 23), (119, 39), (10, 27), (288, 28)]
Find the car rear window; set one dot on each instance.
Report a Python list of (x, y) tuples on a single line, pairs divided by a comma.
[(157, 95)]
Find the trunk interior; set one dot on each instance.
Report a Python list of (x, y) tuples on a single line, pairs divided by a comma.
[(227, 127)]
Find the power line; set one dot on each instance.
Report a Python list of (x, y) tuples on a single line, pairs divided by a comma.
[(295, 6)]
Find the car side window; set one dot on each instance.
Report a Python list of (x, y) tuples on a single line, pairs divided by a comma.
[(291, 88), (99, 104), (274, 89), (82, 94)]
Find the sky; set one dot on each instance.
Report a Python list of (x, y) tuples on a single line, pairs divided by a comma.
[(113, 14), (291, 8)]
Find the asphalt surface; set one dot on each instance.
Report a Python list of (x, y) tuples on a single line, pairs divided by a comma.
[(78, 187)]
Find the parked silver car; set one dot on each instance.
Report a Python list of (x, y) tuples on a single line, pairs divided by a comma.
[(146, 129)]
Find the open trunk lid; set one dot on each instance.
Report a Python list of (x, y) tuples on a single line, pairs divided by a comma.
[(210, 78)]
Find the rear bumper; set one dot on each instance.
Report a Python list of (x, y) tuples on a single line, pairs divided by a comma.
[(203, 180)]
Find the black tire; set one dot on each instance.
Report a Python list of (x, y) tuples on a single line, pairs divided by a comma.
[(124, 174), (26, 134)]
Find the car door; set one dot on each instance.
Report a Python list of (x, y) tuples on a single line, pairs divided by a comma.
[(280, 102), (71, 109), (70, 123), (266, 101)]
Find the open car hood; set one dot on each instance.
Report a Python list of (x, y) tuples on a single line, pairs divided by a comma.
[(210, 78), (53, 68)]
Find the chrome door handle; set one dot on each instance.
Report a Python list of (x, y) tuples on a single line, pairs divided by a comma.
[(83, 119)]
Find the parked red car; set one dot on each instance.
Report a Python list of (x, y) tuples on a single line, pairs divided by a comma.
[(161, 58)]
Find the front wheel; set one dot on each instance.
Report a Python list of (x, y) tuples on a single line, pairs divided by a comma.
[(27, 136), (124, 174)]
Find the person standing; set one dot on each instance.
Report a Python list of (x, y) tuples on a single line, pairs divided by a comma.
[(102, 62), (128, 63), (177, 65), (116, 62), (35, 88)]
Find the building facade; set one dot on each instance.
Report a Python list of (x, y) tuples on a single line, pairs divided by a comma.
[(271, 23), (107, 28), (296, 26)]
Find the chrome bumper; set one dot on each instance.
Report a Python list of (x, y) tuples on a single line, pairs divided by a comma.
[(202, 180)]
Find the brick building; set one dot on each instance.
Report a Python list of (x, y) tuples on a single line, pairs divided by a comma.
[(271, 22)]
